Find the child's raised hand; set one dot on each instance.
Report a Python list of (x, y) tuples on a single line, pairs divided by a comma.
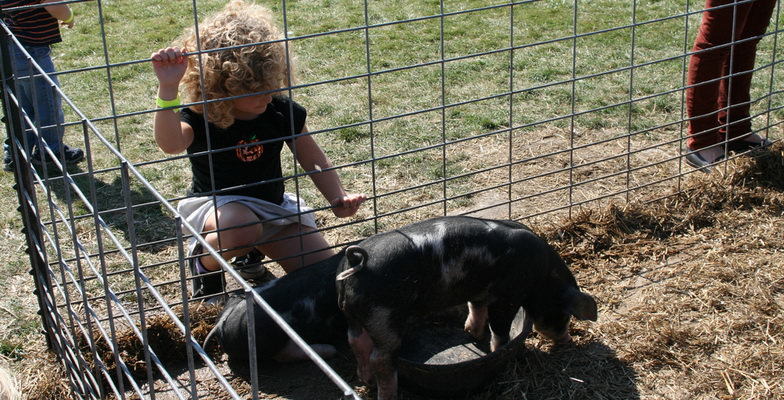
[(348, 205), (169, 65)]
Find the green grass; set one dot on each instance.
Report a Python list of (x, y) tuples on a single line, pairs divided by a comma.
[(460, 61), (408, 81)]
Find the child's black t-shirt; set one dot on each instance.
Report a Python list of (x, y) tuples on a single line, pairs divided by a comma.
[(245, 157)]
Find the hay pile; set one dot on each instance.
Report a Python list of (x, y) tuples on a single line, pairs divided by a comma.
[(46, 377), (691, 293), (165, 339), (43, 378)]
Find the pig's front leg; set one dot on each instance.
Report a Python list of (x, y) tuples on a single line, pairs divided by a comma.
[(362, 346), (477, 317)]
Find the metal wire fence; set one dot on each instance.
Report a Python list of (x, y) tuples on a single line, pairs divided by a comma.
[(523, 110)]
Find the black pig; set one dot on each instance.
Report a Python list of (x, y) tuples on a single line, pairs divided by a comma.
[(495, 266), (305, 298)]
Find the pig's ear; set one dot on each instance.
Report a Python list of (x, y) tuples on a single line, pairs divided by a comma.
[(356, 256), (583, 306)]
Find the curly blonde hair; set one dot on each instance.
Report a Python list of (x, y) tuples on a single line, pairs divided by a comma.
[(240, 51), (8, 386)]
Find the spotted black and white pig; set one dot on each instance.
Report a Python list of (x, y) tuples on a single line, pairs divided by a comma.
[(419, 269), (305, 298)]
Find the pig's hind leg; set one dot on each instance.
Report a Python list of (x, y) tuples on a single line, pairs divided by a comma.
[(376, 344), (362, 346), (383, 360), (383, 363), (501, 314), (476, 320)]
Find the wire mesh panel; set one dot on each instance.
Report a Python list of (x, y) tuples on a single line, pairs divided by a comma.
[(518, 110)]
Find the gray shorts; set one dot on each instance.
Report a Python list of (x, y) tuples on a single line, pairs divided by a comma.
[(275, 217)]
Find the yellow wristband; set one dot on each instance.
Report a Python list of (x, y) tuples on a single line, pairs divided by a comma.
[(168, 103), (68, 21)]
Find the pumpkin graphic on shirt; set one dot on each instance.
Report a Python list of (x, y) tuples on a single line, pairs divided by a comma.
[(249, 150)]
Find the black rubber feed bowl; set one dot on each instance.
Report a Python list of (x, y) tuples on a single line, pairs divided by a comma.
[(439, 359)]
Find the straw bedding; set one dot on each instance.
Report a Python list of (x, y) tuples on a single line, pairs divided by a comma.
[(690, 288)]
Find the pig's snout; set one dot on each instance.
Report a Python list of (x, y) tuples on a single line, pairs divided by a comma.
[(556, 327), (558, 336)]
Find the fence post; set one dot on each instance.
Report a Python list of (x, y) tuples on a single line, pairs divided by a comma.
[(24, 187)]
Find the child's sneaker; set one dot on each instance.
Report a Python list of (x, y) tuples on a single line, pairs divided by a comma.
[(251, 268), (204, 283)]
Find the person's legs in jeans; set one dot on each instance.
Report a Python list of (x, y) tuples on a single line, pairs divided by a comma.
[(38, 99), (42, 104)]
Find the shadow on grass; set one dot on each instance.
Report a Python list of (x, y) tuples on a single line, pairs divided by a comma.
[(129, 209), (588, 370)]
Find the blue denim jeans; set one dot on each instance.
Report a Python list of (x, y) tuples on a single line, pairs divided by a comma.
[(38, 98)]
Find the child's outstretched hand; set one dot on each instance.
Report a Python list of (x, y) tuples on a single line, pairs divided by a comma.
[(169, 65), (348, 205)]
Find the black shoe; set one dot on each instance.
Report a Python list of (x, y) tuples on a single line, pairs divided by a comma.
[(251, 268), (8, 161), (743, 146), (696, 160), (206, 284), (72, 156)]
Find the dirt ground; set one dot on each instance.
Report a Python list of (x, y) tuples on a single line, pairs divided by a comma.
[(691, 304)]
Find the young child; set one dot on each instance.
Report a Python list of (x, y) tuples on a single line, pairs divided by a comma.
[(36, 29), (234, 132)]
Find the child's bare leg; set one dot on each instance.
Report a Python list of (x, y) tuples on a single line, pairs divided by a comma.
[(238, 240), (293, 250)]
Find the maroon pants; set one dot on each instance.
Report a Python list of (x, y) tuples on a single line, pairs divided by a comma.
[(719, 108)]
